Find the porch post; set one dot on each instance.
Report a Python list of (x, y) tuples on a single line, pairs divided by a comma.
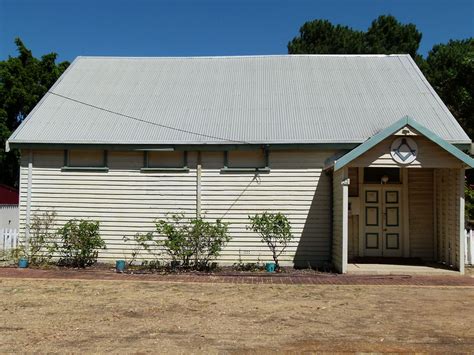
[(462, 235), (198, 185), (345, 218), (28, 199)]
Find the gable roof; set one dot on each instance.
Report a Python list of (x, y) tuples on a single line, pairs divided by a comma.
[(404, 122), (287, 99)]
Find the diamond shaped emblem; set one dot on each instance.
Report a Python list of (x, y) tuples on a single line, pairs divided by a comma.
[(404, 151)]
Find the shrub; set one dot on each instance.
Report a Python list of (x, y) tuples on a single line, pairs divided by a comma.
[(148, 243), (274, 230), (40, 247), (80, 243), (194, 242)]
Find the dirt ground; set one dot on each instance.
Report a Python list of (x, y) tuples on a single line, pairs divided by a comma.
[(147, 316)]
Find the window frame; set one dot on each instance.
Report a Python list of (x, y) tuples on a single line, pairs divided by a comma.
[(148, 169), (68, 167), (228, 169)]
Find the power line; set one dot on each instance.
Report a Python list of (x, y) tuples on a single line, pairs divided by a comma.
[(145, 121)]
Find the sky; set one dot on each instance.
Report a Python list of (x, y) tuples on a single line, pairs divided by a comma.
[(207, 27)]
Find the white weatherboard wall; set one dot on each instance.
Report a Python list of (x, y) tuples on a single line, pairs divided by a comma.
[(124, 200), (296, 186), (421, 213), (127, 201), (448, 209)]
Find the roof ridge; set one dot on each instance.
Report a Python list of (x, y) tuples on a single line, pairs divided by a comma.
[(246, 56)]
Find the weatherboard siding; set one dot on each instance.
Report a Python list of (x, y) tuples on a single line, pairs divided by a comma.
[(296, 186), (126, 201), (447, 216), (421, 207)]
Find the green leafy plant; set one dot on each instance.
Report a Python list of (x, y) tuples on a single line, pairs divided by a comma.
[(80, 243), (274, 230), (192, 242), (144, 242), (11, 255), (40, 247)]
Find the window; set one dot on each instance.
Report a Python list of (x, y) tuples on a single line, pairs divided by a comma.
[(374, 175), (85, 159), (165, 161), (246, 161)]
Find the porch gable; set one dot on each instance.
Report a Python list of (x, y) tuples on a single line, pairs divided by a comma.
[(395, 129)]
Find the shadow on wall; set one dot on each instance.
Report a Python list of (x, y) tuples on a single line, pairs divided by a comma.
[(314, 247)]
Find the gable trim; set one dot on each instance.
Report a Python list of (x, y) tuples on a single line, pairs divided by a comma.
[(387, 132)]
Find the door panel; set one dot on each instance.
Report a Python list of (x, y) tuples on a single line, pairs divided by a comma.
[(372, 224), (382, 224), (392, 241), (392, 226)]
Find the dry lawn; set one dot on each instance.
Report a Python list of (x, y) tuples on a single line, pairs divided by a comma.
[(135, 316)]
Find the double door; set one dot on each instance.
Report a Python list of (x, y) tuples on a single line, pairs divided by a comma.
[(382, 221)]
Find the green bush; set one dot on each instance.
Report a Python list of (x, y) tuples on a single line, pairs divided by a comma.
[(80, 243), (274, 230), (144, 242), (192, 242)]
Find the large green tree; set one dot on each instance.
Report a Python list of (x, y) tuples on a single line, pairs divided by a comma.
[(450, 69), (385, 35), (23, 82), (322, 37)]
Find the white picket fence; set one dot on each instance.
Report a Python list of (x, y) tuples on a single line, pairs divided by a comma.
[(469, 247), (8, 239)]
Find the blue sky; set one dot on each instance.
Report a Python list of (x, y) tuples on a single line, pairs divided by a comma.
[(206, 27)]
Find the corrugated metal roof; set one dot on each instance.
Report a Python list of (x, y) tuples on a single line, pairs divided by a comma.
[(254, 99)]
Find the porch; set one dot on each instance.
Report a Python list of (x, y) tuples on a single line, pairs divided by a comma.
[(400, 195), (397, 268)]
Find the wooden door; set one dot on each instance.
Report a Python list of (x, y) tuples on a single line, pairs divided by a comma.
[(382, 221), (391, 233)]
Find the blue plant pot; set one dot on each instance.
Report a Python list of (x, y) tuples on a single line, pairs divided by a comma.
[(120, 265), (23, 263), (270, 267)]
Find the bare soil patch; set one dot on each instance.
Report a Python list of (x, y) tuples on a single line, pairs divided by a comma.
[(147, 316)]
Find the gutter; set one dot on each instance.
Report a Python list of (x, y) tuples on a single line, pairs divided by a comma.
[(182, 147)]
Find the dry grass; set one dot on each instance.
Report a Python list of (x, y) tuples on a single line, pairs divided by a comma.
[(117, 316)]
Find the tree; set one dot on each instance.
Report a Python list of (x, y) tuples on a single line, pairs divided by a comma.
[(386, 35), (23, 82), (450, 70), (322, 37)]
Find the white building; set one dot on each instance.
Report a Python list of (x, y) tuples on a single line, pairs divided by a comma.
[(358, 151)]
